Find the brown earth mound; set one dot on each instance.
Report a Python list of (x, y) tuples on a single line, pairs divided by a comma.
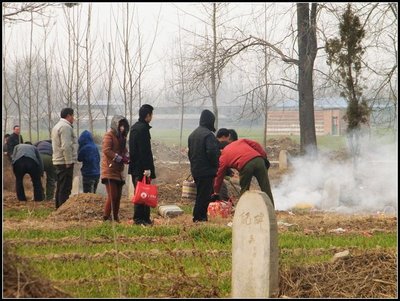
[(275, 145), (20, 281), (163, 152), (82, 206), (368, 275)]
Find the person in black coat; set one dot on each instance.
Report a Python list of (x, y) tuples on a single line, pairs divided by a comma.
[(14, 139), (141, 159), (203, 156)]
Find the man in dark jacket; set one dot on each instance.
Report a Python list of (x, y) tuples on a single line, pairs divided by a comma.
[(14, 139), (141, 159), (26, 160), (46, 152), (89, 155), (203, 156)]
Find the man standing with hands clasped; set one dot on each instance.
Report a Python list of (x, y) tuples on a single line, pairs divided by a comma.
[(141, 159)]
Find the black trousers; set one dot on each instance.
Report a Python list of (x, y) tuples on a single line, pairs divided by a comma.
[(64, 183), (22, 166), (141, 212), (90, 184), (204, 188)]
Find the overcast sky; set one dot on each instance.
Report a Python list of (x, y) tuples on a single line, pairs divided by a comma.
[(163, 17)]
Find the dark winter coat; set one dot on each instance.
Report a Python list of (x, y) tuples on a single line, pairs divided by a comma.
[(44, 147), (12, 141), (204, 148), (113, 143), (88, 154), (141, 156)]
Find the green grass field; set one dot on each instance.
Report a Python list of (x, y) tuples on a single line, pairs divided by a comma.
[(113, 261)]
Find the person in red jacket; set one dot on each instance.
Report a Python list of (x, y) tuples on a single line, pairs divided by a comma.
[(250, 159)]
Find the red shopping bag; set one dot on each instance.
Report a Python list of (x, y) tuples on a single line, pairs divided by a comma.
[(145, 193)]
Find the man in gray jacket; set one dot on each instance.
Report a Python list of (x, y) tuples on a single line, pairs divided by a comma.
[(64, 154), (26, 160)]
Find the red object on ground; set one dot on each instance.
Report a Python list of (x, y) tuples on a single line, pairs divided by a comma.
[(220, 208)]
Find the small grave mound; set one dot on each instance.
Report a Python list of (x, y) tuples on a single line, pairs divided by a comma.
[(82, 206), (20, 281), (275, 145)]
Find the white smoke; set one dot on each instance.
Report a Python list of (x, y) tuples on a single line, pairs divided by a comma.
[(367, 185)]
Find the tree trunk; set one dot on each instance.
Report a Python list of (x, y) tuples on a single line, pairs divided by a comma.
[(213, 67), (88, 74), (307, 51), (30, 84), (109, 85)]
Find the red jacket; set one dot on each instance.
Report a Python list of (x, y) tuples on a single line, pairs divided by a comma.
[(236, 155)]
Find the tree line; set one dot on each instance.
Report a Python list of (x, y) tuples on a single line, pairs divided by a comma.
[(255, 56)]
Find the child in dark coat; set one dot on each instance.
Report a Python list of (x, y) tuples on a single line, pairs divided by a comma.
[(89, 155)]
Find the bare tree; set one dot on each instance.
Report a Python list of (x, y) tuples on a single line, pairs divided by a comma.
[(88, 52), (23, 11), (111, 69), (306, 25), (207, 73), (16, 97), (48, 78), (30, 104), (307, 45), (143, 61), (180, 79)]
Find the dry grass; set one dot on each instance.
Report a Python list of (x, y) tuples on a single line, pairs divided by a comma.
[(20, 281), (368, 275)]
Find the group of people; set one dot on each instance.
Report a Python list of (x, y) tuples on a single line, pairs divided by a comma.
[(211, 158), (58, 155)]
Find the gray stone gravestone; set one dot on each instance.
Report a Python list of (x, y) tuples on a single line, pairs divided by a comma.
[(255, 258), (76, 181), (283, 159)]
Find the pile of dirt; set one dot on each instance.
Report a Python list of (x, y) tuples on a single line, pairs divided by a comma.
[(368, 275), (80, 207), (275, 145), (163, 152), (20, 281)]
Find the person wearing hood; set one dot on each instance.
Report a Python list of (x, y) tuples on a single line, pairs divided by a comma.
[(114, 156), (203, 156), (141, 159), (64, 154), (89, 155)]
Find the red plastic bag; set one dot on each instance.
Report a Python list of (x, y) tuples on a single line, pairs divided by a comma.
[(220, 208), (145, 193)]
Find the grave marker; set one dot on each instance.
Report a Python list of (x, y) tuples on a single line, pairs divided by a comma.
[(255, 247)]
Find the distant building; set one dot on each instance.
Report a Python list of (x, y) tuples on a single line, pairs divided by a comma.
[(284, 119)]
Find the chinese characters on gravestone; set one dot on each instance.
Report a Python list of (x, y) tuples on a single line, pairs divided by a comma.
[(254, 247)]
